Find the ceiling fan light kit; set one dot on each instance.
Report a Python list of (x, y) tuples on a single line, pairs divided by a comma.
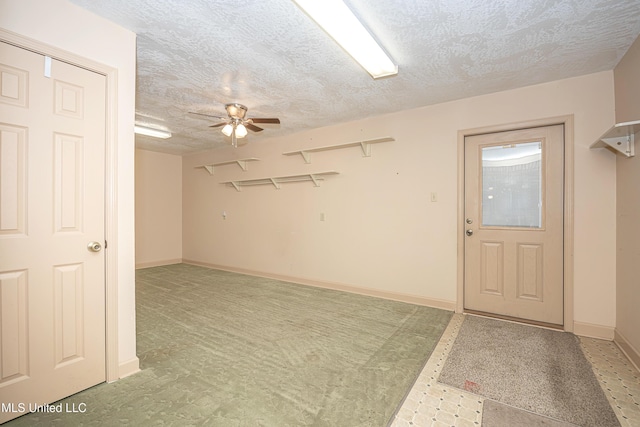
[(241, 131), (236, 110), (236, 124), (337, 20), (227, 130)]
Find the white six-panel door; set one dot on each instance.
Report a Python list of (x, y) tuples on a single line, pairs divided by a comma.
[(514, 196), (52, 283)]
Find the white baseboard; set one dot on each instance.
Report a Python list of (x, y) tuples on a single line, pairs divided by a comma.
[(158, 263), (590, 330), (632, 353), (394, 296), (128, 368)]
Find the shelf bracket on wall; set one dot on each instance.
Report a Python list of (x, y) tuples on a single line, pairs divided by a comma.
[(275, 183), (243, 163), (306, 156), (620, 138), (236, 185), (366, 149), (315, 180), (364, 145)]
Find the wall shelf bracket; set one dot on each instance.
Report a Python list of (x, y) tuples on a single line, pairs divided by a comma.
[(236, 185), (315, 179), (306, 156), (366, 148), (620, 138), (623, 144), (275, 183)]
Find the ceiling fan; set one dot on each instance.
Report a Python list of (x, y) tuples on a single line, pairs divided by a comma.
[(236, 124)]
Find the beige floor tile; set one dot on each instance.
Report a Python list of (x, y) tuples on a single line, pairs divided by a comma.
[(431, 404), (619, 379)]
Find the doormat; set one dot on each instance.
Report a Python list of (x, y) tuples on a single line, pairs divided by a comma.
[(535, 369)]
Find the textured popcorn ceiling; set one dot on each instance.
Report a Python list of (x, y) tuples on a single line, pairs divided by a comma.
[(197, 55)]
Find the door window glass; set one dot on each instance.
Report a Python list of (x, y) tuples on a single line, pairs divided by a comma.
[(512, 185)]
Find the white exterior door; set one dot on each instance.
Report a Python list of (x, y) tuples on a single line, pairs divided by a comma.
[(514, 198), (52, 284)]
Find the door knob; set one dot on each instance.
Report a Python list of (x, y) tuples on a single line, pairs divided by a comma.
[(94, 246), (469, 232)]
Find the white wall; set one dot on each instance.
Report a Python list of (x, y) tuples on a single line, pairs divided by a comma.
[(381, 231), (158, 209), (627, 86), (628, 198), (65, 26)]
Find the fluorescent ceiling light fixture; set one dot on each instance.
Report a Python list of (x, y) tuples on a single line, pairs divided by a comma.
[(156, 133), (342, 25)]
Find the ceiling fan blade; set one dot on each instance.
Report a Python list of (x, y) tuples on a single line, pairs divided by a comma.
[(218, 125), (265, 120), (253, 127), (208, 115)]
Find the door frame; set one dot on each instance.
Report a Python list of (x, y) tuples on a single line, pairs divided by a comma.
[(567, 121), (111, 188)]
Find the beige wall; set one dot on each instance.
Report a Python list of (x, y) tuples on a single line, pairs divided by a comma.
[(627, 86), (68, 27), (158, 208), (628, 253), (628, 208), (381, 231)]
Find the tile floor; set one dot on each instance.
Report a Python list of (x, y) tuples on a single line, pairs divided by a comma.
[(430, 404)]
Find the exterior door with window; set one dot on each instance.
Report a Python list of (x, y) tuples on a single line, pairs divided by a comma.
[(514, 197)]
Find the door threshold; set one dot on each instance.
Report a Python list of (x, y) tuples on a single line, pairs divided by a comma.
[(529, 322)]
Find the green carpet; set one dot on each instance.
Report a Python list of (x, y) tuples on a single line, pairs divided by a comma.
[(220, 348)]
